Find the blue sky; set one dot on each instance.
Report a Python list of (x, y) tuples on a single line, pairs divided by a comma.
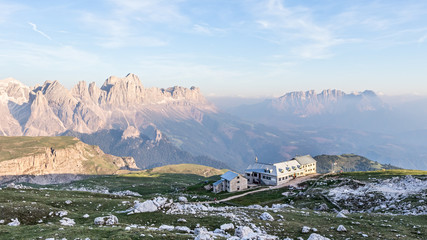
[(249, 48)]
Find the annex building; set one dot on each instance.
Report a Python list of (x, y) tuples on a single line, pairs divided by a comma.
[(278, 173), (230, 182)]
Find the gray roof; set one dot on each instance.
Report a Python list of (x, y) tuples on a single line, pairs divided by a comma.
[(229, 175), (218, 182), (303, 160)]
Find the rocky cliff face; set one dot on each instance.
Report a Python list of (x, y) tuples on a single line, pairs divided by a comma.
[(74, 158), (51, 109), (310, 103)]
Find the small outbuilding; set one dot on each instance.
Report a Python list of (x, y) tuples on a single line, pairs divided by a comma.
[(230, 182)]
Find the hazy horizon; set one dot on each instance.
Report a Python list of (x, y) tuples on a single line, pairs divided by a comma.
[(245, 48)]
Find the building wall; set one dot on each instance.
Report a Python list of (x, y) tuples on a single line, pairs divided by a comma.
[(237, 184)]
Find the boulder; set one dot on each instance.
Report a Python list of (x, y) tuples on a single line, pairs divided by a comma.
[(243, 231), (266, 217), (14, 222), (106, 220), (166, 227), (315, 236), (182, 199), (227, 226), (341, 228), (305, 229), (67, 221), (182, 229)]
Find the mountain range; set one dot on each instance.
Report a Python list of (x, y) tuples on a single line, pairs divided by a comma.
[(158, 126)]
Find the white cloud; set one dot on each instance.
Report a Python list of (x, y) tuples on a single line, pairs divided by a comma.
[(38, 31), (130, 23), (422, 39), (296, 28), (205, 29)]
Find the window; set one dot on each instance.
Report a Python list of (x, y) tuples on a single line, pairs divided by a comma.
[(238, 181), (238, 177), (248, 174)]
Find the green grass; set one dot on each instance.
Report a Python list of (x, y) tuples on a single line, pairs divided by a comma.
[(31, 205), (16, 147)]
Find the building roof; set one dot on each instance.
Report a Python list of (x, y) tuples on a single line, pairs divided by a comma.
[(229, 175), (304, 160), (218, 182)]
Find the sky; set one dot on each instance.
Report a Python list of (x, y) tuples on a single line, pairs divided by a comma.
[(246, 48)]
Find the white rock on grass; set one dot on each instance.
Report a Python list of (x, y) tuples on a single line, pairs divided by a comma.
[(227, 226), (182, 199), (166, 227), (68, 202), (266, 217), (182, 229), (106, 220), (67, 221), (86, 216), (14, 222), (315, 236), (61, 213), (182, 220), (341, 228), (243, 231), (202, 234), (341, 215), (1, 221), (305, 229), (150, 205)]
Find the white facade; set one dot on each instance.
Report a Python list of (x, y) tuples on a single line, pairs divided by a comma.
[(279, 173)]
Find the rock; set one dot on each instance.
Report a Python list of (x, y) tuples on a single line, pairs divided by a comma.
[(86, 216), (166, 227), (182, 199), (182, 229), (14, 222), (341, 215), (341, 228), (314, 229), (182, 220), (322, 207), (106, 220), (202, 234), (68, 202), (67, 221), (315, 236), (266, 217), (243, 231), (61, 213), (305, 229), (227, 226)]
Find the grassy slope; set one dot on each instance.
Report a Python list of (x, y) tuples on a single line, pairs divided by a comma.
[(348, 163), (31, 205), (16, 147)]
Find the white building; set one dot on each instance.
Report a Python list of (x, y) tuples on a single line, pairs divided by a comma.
[(279, 173), (230, 182)]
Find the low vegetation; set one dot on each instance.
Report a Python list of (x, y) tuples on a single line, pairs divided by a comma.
[(37, 208)]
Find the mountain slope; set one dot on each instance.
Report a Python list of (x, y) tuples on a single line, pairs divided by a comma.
[(347, 163), (38, 156)]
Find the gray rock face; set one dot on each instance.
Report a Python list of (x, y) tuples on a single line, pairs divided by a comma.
[(122, 103)]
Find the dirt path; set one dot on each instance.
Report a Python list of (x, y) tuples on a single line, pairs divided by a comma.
[(293, 182)]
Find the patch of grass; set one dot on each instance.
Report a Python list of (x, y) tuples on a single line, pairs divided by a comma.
[(16, 147)]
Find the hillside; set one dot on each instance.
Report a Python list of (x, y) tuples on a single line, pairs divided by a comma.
[(200, 170), (347, 163), (22, 157), (368, 205)]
